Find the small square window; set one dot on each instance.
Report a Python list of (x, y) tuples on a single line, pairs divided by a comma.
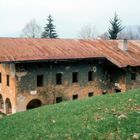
[(39, 80), (59, 78), (90, 76), (90, 94), (75, 97), (58, 99), (74, 77)]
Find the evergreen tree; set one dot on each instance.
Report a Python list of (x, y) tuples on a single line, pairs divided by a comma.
[(115, 28), (49, 30)]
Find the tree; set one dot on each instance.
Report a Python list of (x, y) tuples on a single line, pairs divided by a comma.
[(49, 29), (88, 32), (31, 30), (104, 36), (130, 32), (115, 28)]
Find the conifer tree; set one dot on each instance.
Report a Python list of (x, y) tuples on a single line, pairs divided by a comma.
[(115, 28), (49, 29)]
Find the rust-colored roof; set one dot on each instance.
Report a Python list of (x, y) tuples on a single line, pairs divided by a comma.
[(27, 49)]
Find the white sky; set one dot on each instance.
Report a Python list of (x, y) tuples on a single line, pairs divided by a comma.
[(69, 15)]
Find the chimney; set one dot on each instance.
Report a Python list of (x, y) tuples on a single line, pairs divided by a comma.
[(123, 45)]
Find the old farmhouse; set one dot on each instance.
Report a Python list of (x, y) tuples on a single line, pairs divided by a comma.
[(35, 72)]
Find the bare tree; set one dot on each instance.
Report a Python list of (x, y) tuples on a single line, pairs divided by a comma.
[(31, 30), (104, 36), (88, 32), (130, 34)]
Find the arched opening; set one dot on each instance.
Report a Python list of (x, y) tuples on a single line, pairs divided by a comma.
[(33, 104), (8, 106), (1, 103)]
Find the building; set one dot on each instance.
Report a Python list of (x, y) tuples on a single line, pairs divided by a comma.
[(35, 72)]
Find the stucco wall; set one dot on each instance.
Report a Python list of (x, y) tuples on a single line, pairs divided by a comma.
[(27, 84), (8, 92), (23, 81)]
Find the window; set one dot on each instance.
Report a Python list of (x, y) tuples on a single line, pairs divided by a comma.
[(59, 78), (75, 97), (117, 90), (39, 80), (75, 77), (0, 78), (8, 80), (133, 76), (90, 76), (90, 94), (58, 99)]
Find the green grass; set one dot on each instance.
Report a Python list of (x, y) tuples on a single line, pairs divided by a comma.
[(108, 117)]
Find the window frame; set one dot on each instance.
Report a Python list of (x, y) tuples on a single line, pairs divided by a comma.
[(133, 76), (75, 77), (58, 99), (40, 84), (90, 76), (75, 96), (59, 78), (0, 78), (89, 94), (8, 80)]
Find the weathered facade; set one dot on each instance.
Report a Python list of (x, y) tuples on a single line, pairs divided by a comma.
[(30, 78)]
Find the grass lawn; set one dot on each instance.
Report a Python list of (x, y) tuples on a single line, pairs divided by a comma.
[(107, 117)]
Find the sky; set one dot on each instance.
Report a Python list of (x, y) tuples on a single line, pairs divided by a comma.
[(69, 15)]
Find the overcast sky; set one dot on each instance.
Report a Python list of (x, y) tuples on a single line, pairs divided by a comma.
[(69, 15)]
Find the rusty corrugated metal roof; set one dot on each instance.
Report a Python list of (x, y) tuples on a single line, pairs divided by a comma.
[(27, 49)]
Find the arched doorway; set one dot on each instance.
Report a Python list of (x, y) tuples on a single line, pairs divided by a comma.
[(8, 106), (34, 104), (1, 103)]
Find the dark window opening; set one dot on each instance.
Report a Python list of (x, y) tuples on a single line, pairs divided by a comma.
[(59, 78), (0, 78), (90, 76), (39, 80), (75, 97), (117, 90), (75, 77), (106, 74), (8, 80), (90, 94), (58, 99), (133, 76)]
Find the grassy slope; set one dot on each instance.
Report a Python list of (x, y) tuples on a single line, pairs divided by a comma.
[(102, 117)]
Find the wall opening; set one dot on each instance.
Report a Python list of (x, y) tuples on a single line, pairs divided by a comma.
[(39, 80), (75, 97), (8, 106), (90, 76), (133, 76), (74, 77), (1, 103), (8, 80), (0, 78), (34, 104), (59, 78), (58, 99), (117, 90), (90, 94)]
